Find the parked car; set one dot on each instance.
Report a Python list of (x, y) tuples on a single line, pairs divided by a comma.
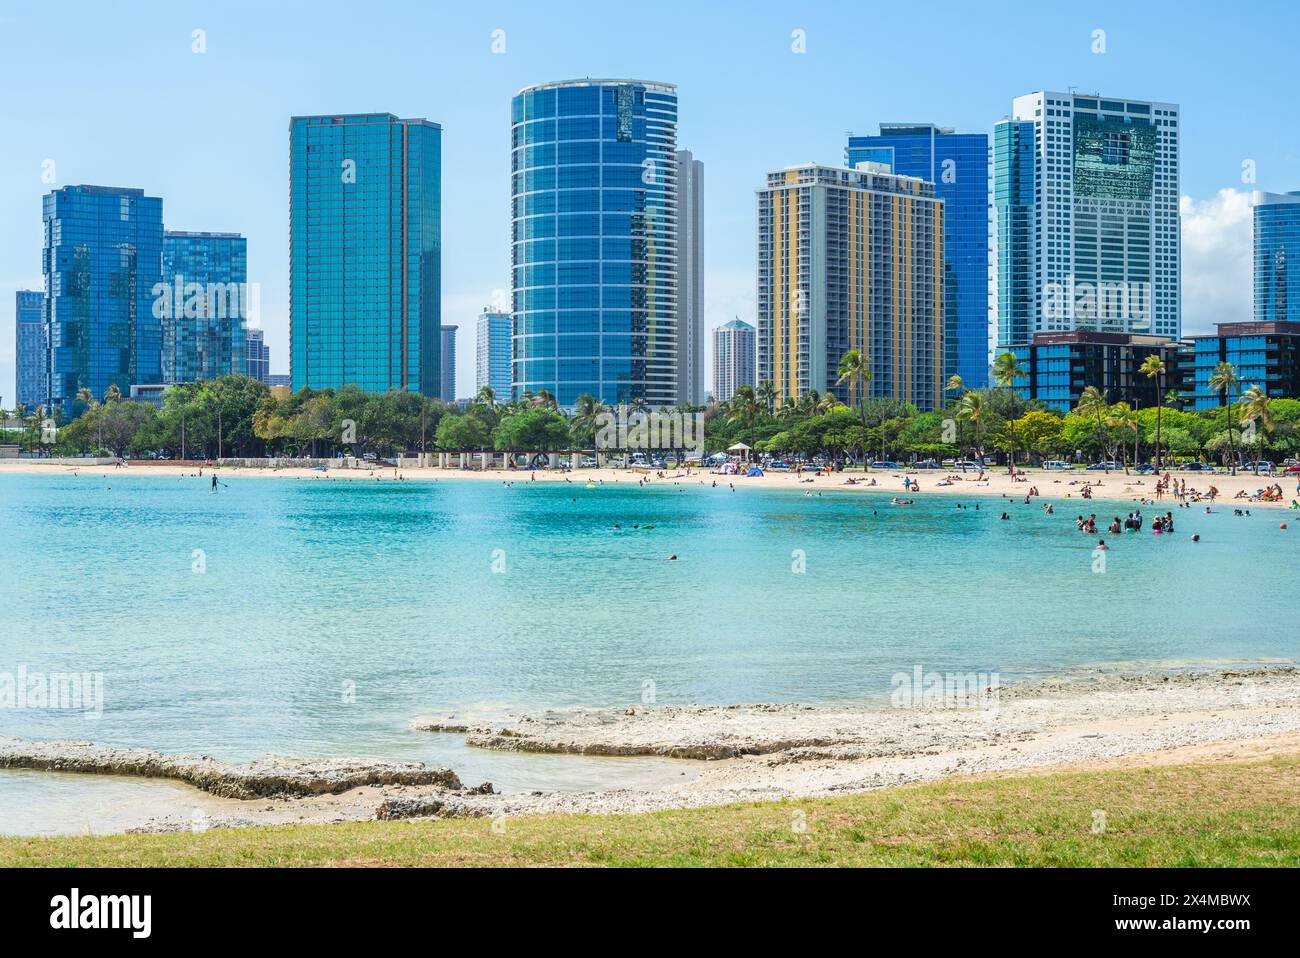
[(1057, 465), (1196, 467), (1105, 466), (885, 464), (1144, 469), (925, 464), (1261, 466)]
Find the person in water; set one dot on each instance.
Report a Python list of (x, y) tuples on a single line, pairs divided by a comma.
[(1115, 527), (214, 483)]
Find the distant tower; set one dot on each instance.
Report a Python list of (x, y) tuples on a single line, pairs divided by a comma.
[(30, 353), (690, 279), (733, 358), (492, 353), (449, 363)]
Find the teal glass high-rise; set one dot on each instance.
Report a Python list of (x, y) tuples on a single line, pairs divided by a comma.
[(958, 166), (102, 260), (205, 322), (1015, 187), (30, 362), (365, 252), (594, 234), (1277, 257)]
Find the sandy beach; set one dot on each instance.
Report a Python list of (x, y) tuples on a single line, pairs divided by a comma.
[(1051, 485), (761, 752)]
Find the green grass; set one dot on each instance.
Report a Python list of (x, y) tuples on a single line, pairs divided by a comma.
[(1223, 814)]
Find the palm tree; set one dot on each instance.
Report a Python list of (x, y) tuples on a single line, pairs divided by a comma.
[(1006, 370), (855, 366), (972, 408), (1122, 415), (1153, 367), (955, 384), (113, 394), (744, 407), (586, 417), (766, 394), (1092, 402), (1224, 381), (541, 399), (827, 403), (1257, 408)]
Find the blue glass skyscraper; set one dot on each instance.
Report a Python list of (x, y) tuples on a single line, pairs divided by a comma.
[(29, 352), (492, 354), (365, 252), (594, 234), (205, 313), (102, 260), (1277, 257), (1014, 203), (957, 164)]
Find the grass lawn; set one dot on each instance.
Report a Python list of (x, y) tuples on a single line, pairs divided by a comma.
[(1192, 815)]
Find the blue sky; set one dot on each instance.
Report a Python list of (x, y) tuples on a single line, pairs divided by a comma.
[(114, 95)]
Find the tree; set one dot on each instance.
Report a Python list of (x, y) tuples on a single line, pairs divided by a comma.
[(1126, 418), (1257, 410), (972, 408), (1224, 381), (744, 407), (855, 367), (587, 414), (461, 431), (1153, 367), (1092, 404), (766, 394), (1006, 370), (533, 430)]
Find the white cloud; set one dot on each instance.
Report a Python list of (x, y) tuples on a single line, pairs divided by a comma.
[(1217, 270)]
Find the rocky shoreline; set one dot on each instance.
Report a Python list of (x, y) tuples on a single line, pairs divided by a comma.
[(752, 752), (267, 777)]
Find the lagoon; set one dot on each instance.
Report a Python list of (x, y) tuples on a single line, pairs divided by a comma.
[(317, 617)]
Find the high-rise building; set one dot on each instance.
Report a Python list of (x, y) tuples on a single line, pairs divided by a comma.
[(690, 279), (850, 259), (1277, 257), (30, 363), (594, 240), (259, 355), (734, 355), (448, 393), (204, 306), (1086, 200), (365, 252), (102, 261), (492, 352), (958, 166)]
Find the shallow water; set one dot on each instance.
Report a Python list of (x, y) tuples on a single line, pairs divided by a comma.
[(317, 617)]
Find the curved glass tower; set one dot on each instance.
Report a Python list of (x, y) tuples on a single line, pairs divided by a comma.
[(1277, 242), (594, 240)]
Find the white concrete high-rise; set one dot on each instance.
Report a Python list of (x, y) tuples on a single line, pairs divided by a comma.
[(1087, 222), (690, 279), (734, 357)]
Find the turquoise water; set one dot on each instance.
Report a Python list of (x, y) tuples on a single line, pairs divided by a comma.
[(315, 588)]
